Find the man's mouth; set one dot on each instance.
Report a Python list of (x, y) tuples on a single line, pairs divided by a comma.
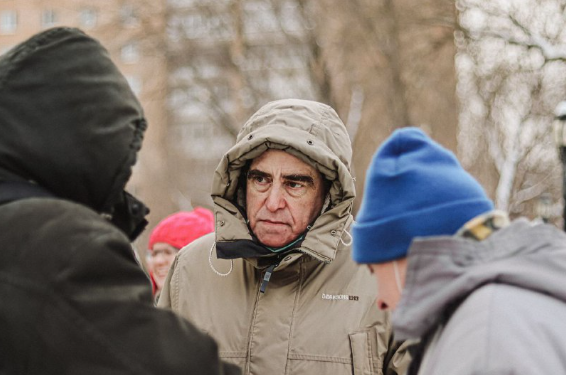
[(273, 222)]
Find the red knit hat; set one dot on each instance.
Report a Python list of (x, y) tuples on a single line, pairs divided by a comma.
[(181, 228)]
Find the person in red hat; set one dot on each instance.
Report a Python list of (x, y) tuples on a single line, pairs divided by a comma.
[(172, 234)]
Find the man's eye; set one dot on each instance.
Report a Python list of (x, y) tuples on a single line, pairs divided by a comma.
[(260, 180), (296, 189), (295, 185)]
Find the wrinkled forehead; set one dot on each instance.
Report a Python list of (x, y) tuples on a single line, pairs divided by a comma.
[(283, 163)]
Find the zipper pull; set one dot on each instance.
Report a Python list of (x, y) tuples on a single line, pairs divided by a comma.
[(266, 277)]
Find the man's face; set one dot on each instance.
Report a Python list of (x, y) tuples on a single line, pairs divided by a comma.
[(390, 282), (160, 261), (283, 196)]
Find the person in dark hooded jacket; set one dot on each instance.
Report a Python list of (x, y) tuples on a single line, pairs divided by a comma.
[(73, 298)]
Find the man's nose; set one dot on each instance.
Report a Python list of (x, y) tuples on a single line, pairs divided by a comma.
[(275, 198)]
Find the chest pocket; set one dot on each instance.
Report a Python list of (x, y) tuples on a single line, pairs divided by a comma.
[(366, 350)]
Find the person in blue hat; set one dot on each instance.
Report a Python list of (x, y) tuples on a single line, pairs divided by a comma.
[(478, 294)]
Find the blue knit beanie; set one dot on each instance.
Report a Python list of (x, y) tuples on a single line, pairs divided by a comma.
[(414, 188)]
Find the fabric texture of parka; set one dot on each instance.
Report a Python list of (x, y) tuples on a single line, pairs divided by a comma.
[(74, 299), (491, 307), (317, 314)]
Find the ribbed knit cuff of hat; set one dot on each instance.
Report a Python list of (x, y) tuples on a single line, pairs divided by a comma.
[(389, 239)]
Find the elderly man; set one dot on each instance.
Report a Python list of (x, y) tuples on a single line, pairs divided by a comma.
[(274, 285), (73, 298), (484, 295)]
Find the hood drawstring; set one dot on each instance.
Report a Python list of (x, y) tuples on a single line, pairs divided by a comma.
[(349, 242), (397, 277), (214, 269)]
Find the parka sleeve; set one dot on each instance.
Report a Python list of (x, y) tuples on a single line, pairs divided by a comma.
[(111, 296), (398, 359), (165, 298), (386, 355)]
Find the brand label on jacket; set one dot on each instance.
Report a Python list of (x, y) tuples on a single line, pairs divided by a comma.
[(344, 297)]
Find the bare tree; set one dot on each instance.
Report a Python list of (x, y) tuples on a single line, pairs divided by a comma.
[(226, 59), (381, 64), (392, 65), (511, 64)]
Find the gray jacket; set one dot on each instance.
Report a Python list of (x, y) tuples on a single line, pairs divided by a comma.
[(490, 307)]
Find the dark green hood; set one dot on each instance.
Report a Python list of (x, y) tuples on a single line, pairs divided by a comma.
[(68, 118)]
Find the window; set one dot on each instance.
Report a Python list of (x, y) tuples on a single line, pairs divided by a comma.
[(8, 22), (201, 140), (130, 53), (259, 17), (202, 25), (88, 18), (5, 49), (128, 15), (135, 84), (48, 18)]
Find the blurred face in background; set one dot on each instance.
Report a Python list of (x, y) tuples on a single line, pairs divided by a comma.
[(160, 259)]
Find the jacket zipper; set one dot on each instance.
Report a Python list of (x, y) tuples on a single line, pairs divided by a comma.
[(267, 276), (263, 286)]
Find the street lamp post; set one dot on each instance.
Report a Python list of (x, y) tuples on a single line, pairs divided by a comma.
[(560, 139), (543, 207)]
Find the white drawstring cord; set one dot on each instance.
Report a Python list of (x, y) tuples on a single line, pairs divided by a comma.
[(397, 276), (214, 269), (349, 242)]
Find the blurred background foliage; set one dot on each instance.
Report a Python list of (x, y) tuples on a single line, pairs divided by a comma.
[(481, 77)]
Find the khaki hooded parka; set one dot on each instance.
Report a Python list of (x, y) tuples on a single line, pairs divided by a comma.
[(318, 313)]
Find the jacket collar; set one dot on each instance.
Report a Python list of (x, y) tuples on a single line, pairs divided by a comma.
[(11, 191)]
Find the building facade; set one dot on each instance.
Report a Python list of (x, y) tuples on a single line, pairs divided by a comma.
[(200, 69), (130, 34)]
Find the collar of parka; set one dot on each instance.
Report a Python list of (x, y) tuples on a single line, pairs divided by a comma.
[(314, 133)]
